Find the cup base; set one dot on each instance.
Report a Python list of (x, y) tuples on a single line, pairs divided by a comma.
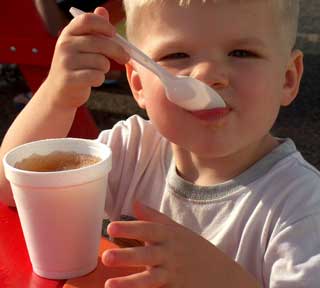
[(63, 275)]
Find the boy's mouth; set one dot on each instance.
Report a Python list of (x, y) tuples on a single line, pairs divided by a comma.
[(211, 114)]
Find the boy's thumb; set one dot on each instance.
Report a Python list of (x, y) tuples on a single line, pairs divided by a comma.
[(101, 11), (145, 213)]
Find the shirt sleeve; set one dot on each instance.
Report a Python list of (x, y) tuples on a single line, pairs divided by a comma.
[(133, 143), (292, 259)]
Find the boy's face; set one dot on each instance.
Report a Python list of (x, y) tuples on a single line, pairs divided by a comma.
[(235, 47)]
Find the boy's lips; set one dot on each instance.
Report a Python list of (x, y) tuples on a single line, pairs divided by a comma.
[(211, 114)]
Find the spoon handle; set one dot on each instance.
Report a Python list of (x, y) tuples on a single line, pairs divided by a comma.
[(140, 57), (135, 53)]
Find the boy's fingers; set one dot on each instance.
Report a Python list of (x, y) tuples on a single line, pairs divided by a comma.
[(105, 46), (90, 23), (140, 230), (91, 77), (138, 256), (84, 61), (97, 44), (143, 212)]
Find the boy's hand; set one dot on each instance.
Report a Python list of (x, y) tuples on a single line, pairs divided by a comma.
[(81, 56), (173, 256)]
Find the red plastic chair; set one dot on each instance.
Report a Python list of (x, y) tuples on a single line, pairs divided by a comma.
[(25, 41)]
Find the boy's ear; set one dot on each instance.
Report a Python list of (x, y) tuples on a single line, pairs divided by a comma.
[(292, 78), (135, 85)]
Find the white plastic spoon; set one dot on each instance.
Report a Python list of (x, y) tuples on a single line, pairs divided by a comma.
[(187, 92)]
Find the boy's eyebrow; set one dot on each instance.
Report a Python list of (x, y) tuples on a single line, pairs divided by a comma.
[(166, 42), (252, 41), (158, 48)]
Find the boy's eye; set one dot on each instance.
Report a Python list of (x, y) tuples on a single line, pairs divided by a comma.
[(175, 56), (242, 53)]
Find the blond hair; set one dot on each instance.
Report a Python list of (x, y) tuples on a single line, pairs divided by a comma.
[(288, 11)]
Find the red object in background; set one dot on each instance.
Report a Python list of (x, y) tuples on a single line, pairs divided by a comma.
[(25, 41), (15, 266), (115, 10)]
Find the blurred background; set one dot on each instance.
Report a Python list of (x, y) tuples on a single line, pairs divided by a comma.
[(113, 101)]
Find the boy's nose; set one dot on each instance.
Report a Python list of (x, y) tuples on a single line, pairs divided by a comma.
[(211, 73)]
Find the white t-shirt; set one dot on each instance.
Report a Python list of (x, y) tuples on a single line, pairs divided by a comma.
[(267, 219)]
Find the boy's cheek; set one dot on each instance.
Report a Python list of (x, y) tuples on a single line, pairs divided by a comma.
[(153, 89)]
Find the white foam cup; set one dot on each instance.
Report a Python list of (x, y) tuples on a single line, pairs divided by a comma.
[(61, 212)]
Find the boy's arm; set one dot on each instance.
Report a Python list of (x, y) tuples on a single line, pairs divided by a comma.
[(40, 119), (80, 61)]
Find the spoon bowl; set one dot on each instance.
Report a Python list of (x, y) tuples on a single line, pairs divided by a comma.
[(192, 94), (186, 92)]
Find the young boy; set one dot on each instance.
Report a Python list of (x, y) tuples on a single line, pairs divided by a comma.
[(226, 204)]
